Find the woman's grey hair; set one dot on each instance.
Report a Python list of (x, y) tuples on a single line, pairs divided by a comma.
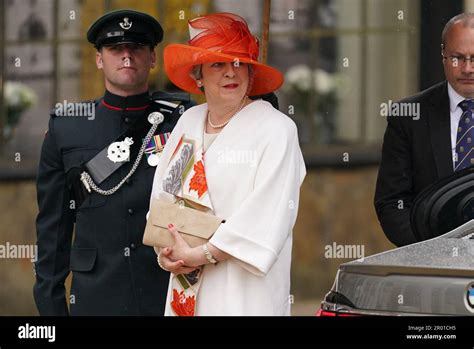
[(196, 72)]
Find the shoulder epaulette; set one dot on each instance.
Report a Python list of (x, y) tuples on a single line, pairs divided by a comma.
[(171, 96), (172, 102), (165, 106), (52, 112)]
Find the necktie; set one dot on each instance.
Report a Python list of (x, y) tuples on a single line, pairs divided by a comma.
[(465, 136)]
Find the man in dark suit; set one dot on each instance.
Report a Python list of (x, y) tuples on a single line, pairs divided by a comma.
[(113, 272), (418, 151)]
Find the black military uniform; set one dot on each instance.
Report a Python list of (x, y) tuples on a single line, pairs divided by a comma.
[(113, 272)]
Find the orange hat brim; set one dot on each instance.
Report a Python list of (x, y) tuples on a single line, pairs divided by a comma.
[(179, 60)]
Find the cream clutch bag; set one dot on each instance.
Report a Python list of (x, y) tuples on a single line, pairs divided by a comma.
[(196, 227)]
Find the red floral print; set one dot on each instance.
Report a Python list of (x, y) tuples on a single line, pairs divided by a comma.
[(198, 182), (182, 305)]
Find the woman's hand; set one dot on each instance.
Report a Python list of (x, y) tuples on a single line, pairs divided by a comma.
[(168, 264), (180, 258), (192, 257)]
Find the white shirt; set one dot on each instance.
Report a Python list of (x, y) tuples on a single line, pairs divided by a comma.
[(208, 139), (456, 113)]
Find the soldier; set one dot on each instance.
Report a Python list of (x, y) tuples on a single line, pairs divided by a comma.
[(96, 172)]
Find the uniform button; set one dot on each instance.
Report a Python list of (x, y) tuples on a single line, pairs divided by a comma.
[(133, 246), (130, 211), (127, 120)]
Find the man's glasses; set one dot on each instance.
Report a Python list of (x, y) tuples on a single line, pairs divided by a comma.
[(458, 60)]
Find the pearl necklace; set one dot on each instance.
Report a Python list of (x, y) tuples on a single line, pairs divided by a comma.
[(225, 123)]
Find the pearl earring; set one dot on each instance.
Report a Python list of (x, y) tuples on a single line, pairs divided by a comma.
[(199, 83)]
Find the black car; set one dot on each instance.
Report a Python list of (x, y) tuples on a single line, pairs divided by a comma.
[(432, 277)]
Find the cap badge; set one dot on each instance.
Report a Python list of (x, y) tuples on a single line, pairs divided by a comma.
[(126, 25)]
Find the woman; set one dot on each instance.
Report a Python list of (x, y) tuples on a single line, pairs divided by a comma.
[(241, 161)]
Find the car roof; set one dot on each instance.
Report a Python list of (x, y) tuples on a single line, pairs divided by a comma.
[(451, 254)]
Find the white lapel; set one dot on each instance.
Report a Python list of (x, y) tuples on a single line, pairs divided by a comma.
[(219, 170)]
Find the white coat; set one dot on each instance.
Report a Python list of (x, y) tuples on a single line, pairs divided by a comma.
[(254, 170)]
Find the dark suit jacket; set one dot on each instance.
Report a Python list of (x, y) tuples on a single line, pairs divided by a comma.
[(415, 154), (113, 272)]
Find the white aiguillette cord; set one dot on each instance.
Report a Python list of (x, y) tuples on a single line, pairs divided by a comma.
[(155, 119)]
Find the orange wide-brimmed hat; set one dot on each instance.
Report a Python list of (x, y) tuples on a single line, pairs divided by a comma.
[(219, 37)]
